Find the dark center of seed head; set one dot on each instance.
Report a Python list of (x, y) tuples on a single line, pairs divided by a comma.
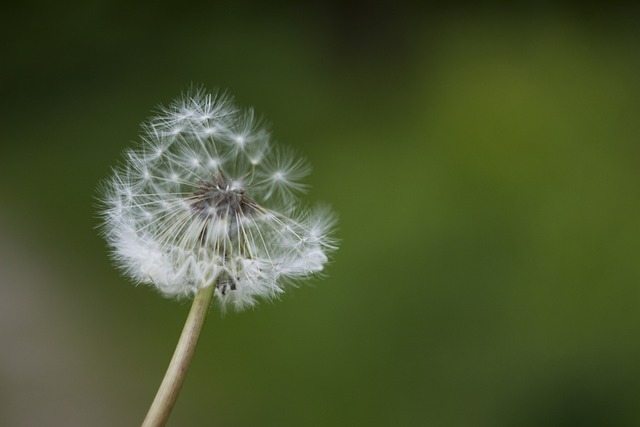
[(217, 198)]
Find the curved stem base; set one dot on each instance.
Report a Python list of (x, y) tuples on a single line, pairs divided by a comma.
[(177, 370)]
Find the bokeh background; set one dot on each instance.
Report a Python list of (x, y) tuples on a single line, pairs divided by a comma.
[(485, 164)]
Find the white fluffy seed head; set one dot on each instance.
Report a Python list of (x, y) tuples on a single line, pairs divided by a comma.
[(205, 200)]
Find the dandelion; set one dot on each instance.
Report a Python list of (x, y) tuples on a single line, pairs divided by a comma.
[(205, 206)]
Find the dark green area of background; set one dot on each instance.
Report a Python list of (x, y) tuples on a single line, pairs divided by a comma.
[(485, 164)]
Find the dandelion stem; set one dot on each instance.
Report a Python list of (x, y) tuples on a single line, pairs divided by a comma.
[(177, 370)]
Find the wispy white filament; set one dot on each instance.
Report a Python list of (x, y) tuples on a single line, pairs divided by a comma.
[(205, 200)]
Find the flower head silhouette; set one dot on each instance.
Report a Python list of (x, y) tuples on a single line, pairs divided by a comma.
[(206, 200)]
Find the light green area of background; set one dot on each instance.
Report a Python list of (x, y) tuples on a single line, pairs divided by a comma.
[(485, 167)]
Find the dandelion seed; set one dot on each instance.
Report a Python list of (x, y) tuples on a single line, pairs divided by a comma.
[(205, 201), (205, 207)]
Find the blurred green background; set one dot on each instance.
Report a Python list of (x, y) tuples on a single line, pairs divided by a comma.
[(485, 164)]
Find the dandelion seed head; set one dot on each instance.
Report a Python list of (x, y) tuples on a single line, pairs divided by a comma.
[(205, 200)]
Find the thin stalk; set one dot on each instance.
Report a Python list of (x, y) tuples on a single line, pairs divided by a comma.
[(177, 370)]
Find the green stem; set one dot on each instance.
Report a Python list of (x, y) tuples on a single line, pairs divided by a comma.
[(177, 370)]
